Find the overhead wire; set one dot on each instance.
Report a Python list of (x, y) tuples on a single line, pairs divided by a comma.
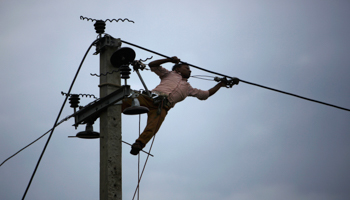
[(247, 82), (58, 116), (140, 175), (63, 120), (298, 96)]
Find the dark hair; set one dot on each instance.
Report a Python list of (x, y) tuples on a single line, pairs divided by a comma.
[(178, 65)]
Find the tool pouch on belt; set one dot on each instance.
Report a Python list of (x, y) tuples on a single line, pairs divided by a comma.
[(161, 101)]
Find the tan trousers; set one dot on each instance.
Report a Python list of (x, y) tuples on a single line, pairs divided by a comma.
[(154, 120)]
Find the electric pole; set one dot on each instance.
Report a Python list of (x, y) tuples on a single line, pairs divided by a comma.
[(114, 65), (110, 126)]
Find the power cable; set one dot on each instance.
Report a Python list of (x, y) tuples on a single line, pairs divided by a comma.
[(269, 88), (58, 116), (63, 120), (291, 94)]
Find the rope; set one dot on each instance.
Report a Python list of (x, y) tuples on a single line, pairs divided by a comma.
[(138, 162), (204, 77), (280, 91), (143, 169), (144, 166), (141, 150)]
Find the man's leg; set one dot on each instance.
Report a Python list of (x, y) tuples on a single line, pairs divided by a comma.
[(154, 122)]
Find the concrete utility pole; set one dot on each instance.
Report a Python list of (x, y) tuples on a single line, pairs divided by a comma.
[(110, 127)]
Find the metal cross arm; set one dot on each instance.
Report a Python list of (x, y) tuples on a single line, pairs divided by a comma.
[(92, 111)]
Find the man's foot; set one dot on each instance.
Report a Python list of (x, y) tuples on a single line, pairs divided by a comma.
[(136, 148)]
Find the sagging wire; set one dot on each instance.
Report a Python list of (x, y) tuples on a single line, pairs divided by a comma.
[(58, 116), (243, 81), (63, 120)]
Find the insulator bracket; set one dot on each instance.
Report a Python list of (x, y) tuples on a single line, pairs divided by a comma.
[(107, 41)]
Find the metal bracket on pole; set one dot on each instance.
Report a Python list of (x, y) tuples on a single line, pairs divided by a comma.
[(139, 65), (143, 83), (107, 40), (92, 111)]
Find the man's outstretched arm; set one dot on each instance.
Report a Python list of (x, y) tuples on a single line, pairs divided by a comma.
[(216, 88), (233, 81)]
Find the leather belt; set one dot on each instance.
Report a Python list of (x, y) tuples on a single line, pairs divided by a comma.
[(161, 100)]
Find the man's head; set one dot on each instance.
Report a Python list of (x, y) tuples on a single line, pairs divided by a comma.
[(183, 69)]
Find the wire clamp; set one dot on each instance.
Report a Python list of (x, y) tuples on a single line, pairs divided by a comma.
[(229, 81)]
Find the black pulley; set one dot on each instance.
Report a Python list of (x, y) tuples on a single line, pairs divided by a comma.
[(123, 56)]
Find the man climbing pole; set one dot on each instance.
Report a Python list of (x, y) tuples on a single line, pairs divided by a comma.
[(172, 89)]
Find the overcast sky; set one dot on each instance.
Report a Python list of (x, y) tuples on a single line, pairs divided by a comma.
[(244, 143)]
